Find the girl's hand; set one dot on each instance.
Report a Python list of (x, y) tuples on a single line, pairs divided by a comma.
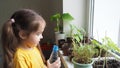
[(56, 64)]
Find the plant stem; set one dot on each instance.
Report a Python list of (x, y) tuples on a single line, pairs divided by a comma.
[(58, 23)]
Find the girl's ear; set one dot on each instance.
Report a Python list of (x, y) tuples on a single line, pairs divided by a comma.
[(22, 34)]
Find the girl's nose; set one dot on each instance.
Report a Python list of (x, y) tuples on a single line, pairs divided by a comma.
[(41, 36)]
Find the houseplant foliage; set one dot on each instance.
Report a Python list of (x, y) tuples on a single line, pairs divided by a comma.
[(110, 48), (108, 45), (77, 33), (82, 52), (58, 18)]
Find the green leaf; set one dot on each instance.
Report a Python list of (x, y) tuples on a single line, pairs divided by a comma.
[(67, 17), (55, 17)]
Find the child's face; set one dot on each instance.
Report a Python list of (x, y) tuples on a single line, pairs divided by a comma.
[(34, 37)]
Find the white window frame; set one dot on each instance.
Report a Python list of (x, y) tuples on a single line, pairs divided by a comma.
[(91, 14)]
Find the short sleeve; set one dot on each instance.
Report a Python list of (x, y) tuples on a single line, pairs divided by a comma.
[(19, 62)]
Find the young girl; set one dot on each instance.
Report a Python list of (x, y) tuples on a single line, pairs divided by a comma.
[(20, 39)]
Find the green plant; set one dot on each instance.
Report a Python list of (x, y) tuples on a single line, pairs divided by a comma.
[(82, 52), (107, 45), (58, 18), (109, 48), (77, 33)]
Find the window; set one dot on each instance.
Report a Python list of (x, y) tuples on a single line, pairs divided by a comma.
[(105, 19)]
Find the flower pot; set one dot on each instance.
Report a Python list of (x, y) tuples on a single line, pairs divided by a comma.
[(59, 36), (79, 65)]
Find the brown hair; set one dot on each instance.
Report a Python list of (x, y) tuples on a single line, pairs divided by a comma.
[(23, 20)]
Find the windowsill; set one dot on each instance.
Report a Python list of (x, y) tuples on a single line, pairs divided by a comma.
[(65, 61), (69, 64)]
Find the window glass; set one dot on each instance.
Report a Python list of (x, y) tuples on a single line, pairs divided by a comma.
[(106, 19)]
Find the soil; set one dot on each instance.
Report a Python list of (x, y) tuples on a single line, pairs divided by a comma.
[(110, 64)]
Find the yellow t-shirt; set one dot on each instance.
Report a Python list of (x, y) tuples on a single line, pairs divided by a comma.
[(28, 58)]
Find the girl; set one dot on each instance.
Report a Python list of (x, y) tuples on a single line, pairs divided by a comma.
[(20, 39)]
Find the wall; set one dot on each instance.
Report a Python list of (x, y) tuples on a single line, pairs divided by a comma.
[(79, 10), (44, 7)]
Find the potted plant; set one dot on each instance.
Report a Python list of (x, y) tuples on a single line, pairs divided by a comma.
[(107, 45), (110, 48), (82, 55), (78, 35), (82, 52), (58, 18)]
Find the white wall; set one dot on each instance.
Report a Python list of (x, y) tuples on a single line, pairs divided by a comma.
[(79, 10)]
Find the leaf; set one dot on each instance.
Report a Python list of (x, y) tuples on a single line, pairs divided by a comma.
[(67, 17), (55, 17)]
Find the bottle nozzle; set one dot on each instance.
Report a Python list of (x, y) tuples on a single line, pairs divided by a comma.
[(55, 48)]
